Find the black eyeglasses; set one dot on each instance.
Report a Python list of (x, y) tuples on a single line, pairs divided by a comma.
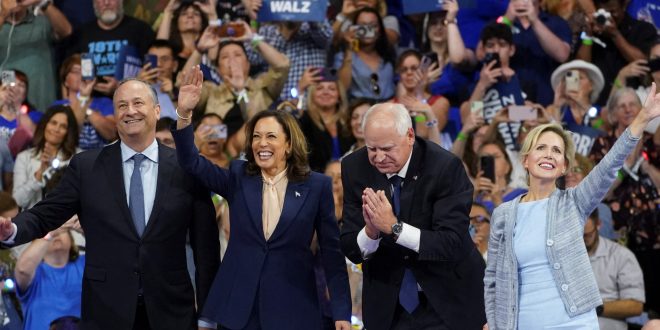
[(480, 219), (374, 84)]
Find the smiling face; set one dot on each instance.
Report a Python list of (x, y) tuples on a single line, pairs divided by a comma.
[(56, 129), (356, 120), (61, 242), (270, 146), (387, 150), (190, 20), (136, 114), (326, 94), (546, 160)]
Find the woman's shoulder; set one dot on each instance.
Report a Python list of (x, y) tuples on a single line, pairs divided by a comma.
[(26, 154)]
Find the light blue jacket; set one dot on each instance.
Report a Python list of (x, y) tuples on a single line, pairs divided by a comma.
[(567, 212)]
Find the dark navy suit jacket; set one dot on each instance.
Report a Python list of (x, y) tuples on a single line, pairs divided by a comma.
[(274, 277)]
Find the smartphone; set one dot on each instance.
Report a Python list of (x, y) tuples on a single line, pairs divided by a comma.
[(572, 81), (654, 65), (153, 59), (9, 78), (87, 67), (492, 57), (522, 112), (477, 107), (425, 63), (231, 30), (218, 132), (487, 165)]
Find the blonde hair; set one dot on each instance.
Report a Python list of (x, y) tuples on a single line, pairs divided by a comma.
[(536, 132), (341, 113)]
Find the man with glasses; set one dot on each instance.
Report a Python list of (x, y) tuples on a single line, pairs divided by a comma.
[(619, 277)]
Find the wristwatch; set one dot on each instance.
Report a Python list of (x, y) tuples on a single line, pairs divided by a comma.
[(396, 230), (599, 310)]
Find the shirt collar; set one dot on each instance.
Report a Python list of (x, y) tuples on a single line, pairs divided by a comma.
[(601, 249), (151, 152), (404, 170)]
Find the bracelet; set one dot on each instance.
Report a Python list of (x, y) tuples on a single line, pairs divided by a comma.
[(461, 136), (504, 20), (182, 118), (341, 18), (586, 40), (254, 24), (617, 83)]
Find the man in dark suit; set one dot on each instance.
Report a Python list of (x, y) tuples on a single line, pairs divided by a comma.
[(136, 206), (406, 206)]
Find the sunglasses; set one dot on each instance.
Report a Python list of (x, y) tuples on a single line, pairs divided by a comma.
[(480, 219), (374, 84)]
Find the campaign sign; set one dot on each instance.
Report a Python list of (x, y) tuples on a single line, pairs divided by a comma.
[(129, 63), (421, 6), (292, 10)]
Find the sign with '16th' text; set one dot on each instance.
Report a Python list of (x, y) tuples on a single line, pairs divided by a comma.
[(293, 10)]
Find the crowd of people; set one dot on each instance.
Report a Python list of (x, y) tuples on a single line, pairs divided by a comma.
[(491, 164)]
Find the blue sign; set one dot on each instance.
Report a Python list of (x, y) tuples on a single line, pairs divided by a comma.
[(421, 6), (129, 63), (293, 10), (210, 74)]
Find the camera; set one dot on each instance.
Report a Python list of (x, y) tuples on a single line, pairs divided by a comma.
[(363, 31), (601, 16)]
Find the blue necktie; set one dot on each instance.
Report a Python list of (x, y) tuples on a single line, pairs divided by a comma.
[(136, 195), (408, 295)]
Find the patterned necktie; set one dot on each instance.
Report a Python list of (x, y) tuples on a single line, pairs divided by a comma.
[(408, 295), (136, 195)]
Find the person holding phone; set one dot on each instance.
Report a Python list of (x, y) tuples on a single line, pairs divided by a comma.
[(498, 85), (577, 85), (493, 181), (18, 117), (210, 139), (538, 272), (429, 112), (94, 114), (159, 69)]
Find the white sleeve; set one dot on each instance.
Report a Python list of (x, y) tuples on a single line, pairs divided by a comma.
[(366, 244)]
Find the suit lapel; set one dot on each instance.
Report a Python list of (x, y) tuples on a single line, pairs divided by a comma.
[(253, 194), (410, 183), (295, 196), (166, 166), (110, 158)]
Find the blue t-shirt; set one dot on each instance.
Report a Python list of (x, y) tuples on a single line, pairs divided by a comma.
[(53, 293), (531, 63), (89, 137), (364, 80), (7, 127), (499, 95), (453, 84)]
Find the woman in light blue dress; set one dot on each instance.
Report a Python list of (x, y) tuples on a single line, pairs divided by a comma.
[(538, 274)]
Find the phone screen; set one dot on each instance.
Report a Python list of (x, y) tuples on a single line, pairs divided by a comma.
[(87, 67), (231, 30), (522, 112), (218, 132), (573, 80), (9, 78), (654, 64), (153, 59), (487, 165), (477, 107)]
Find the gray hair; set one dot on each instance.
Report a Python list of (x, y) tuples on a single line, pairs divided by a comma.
[(152, 90), (401, 116), (614, 100)]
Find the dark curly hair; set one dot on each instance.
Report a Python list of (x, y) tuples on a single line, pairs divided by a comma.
[(297, 163)]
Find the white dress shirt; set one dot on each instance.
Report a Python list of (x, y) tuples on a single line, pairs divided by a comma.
[(409, 237), (148, 173)]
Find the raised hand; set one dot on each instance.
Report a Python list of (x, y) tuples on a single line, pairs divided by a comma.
[(6, 228), (190, 91), (208, 40), (650, 111), (309, 77)]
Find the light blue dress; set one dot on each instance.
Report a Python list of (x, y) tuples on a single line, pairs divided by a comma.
[(540, 305)]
